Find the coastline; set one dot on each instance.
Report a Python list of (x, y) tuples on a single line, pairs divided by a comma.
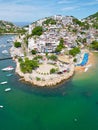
[(8, 33), (51, 80)]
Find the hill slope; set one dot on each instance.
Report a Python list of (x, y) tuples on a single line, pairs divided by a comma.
[(92, 20), (8, 27)]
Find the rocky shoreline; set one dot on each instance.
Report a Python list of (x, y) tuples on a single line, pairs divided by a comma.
[(51, 83)]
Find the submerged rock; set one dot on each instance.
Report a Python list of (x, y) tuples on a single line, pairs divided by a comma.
[(87, 94)]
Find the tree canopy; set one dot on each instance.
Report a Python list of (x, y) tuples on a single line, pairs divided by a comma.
[(38, 30), (60, 46), (52, 57), (28, 65), (17, 44), (34, 52), (94, 45), (74, 51), (49, 21)]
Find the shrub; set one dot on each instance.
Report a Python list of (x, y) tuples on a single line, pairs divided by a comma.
[(17, 44), (50, 21), (52, 71), (37, 57), (75, 60), (60, 46), (20, 59), (52, 57), (34, 52), (38, 79)]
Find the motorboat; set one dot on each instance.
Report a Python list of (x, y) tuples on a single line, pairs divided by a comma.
[(86, 69), (7, 89), (5, 82), (1, 106), (4, 52), (8, 68)]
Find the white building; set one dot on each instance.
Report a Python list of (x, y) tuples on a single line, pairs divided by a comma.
[(31, 44)]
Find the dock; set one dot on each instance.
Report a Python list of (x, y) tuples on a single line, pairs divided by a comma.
[(7, 58)]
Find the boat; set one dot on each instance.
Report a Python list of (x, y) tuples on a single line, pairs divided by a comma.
[(8, 75), (1, 106), (9, 40), (86, 69), (7, 68), (4, 52), (5, 82), (2, 45), (7, 89)]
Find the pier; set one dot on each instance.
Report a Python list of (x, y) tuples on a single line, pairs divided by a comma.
[(6, 58)]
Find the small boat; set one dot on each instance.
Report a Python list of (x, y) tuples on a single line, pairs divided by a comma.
[(7, 89), (4, 52), (85, 69), (1, 106), (9, 40), (5, 82), (8, 75), (2, 45), (8, 68)]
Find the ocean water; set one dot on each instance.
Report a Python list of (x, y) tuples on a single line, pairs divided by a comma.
[(22, 24), (71, 106)]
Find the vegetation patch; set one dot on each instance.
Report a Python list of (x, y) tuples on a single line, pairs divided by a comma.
[(38, 79), (28, 65), (17, 44), (50, 21), (74, 51), (38, 30), (94, 45)]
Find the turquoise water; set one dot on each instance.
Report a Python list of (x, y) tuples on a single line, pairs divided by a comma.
[(72, 106)]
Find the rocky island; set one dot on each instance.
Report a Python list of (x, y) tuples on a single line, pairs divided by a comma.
[(51, 48)]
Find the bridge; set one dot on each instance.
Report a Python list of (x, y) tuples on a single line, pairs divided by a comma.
[(6, 58)]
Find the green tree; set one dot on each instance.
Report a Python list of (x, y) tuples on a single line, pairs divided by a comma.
[(20, 59), (38, 30), (37, 57), (74, 51), (60, 46), (94, 45), (27, 65), (34, 52), (75, 60), (62, 41), (49, 21), (53, 57), (52, 71), (17, 44)]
